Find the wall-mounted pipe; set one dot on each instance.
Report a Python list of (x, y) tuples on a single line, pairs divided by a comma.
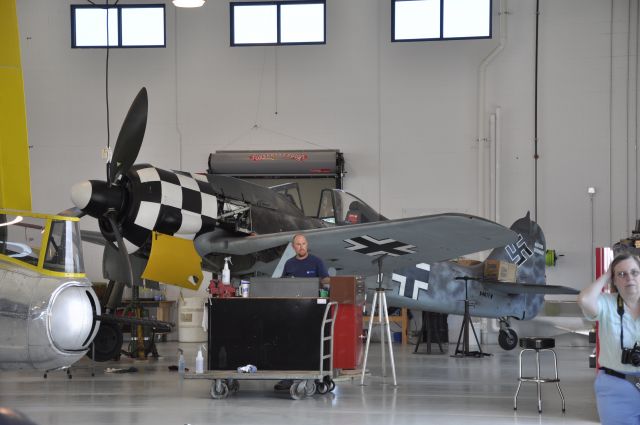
[(481, 138), (494, 160), (492, 166)]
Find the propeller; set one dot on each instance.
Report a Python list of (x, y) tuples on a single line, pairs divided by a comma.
[(106, 201), (130, 138)]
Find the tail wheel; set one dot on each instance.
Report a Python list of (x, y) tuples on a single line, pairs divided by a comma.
[(508, 339)]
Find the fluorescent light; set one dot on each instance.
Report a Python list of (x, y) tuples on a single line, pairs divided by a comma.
[(188, 3)]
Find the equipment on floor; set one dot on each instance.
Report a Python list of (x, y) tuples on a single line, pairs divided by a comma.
[(466, 324), (380, 303), (538, 346), (281, 338)]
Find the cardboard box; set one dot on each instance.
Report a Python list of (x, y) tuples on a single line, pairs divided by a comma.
[(500, 270), (466, 262)]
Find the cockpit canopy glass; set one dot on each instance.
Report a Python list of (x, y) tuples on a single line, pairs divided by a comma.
[(340, 208), (40, 241)]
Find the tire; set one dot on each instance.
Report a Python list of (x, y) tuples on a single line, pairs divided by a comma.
[(508, 339), (322, 388), (219, 389), (297, 391), (234, 385), (107, 343), (309, 388)]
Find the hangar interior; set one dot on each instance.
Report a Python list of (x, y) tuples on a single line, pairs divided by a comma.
[(541, 117)]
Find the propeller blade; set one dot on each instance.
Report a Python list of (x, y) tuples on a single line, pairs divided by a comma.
[(130, 137), (121, 246)]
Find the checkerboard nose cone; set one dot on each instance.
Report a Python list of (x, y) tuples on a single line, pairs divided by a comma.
[(96, 197), (81, 194)]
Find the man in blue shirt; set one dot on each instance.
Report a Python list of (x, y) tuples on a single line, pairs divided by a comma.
[(305, 264), (302, 265)]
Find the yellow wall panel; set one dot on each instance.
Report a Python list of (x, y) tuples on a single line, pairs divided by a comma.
[(15, 181)]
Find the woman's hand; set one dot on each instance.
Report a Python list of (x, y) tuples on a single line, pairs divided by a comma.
[(588, 297)]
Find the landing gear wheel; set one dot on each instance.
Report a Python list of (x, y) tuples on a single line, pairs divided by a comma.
[(332, 385), (219, 389), (107, 343), (507, 339), (309, 388), (297, 390)]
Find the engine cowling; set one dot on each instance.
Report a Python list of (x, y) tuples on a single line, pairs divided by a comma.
[(150, 199)]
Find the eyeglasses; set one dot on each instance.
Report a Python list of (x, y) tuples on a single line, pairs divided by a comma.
[(632, 274)]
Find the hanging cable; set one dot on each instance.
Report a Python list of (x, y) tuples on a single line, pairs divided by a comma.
[(106, 78)]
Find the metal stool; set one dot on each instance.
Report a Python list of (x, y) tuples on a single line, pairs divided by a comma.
[(538, 345)]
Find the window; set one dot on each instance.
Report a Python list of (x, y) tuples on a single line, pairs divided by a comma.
[(129, 26), (279, 22), (416, 20)]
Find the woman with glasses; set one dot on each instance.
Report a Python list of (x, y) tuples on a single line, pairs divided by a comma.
[(617, 384)]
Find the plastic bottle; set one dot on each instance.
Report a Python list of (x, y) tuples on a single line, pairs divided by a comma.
[(226, 273), (181, 363), (199, 362)]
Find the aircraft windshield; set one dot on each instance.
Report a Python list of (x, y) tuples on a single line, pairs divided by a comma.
[(291, 191), (340, 207), (43, 242)]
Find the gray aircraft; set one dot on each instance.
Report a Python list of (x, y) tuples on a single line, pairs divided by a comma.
[(154, 214), (441, 287)]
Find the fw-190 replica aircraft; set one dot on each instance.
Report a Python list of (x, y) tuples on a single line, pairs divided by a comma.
[(156, 214)]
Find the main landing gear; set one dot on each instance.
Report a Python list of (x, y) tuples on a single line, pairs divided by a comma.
[(507, 337)]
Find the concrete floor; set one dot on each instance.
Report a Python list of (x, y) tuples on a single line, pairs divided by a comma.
[(434, 389)]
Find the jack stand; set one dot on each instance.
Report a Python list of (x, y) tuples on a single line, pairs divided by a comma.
[(380, 302), (466, 323)]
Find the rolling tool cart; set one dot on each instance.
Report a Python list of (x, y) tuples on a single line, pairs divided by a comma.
[(270, 333)]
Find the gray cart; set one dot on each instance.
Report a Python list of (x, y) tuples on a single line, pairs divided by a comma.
[(305, 382)]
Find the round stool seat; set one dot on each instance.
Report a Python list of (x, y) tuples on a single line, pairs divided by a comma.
[(537, 343)]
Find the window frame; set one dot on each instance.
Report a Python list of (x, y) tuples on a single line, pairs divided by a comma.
[(441, 37), (119, 9), (276, 3)]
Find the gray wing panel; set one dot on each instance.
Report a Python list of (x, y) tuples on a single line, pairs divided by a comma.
[(351, 249)]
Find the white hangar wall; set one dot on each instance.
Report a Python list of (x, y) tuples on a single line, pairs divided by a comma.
[(405, 114)]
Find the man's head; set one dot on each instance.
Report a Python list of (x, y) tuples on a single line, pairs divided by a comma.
[(300, 246)]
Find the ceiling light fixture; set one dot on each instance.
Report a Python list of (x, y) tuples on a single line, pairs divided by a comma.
[(188, 3)]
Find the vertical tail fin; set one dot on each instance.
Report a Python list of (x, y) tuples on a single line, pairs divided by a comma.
[(528, 252)]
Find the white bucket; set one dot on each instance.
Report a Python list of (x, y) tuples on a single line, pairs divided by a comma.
[(190, 312)]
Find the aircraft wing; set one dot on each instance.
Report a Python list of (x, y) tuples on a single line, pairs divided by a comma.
[(514, 288), (352, 249)]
